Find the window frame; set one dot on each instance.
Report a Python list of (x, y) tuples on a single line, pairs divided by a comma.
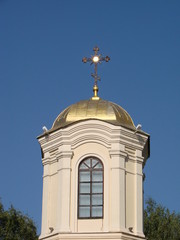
[(91, 170)]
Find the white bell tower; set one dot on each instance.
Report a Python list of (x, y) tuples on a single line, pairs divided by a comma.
[(93, 159)]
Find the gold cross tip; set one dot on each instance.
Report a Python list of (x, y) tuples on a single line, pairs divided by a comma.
[(95, 59)]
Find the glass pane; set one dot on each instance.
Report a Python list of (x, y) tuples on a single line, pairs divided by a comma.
[(83, 166), (84, 187), (97, 176), (97, 188), (88, 162), (99, 166), (96, 211), (84, 199), (94, 162), (84, 211), (97, 199), (84, 176)]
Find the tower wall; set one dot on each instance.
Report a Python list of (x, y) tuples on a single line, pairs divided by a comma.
[(120, 151)]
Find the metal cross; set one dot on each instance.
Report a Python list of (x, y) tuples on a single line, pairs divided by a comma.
[(95, 59)]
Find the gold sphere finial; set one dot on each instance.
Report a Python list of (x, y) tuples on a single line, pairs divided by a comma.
[(95, 90)]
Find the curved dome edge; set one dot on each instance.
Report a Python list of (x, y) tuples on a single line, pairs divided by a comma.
[(94, 109)]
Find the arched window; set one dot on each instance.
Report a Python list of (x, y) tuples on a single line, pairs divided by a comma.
[(90, 188)]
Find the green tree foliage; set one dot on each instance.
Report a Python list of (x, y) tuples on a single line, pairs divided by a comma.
[(16, 226), (159, 223)]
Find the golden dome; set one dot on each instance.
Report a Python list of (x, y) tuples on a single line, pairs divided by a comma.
[(94, 109)]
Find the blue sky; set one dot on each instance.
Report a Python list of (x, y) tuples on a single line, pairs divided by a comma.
[(41, 47)]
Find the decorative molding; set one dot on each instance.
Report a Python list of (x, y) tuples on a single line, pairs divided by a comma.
[(96, 236), (46, 161), (64, 154), (114, 153)]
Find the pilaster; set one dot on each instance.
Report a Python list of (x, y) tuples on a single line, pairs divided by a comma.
[(64, 191), (46, 196), (117, 186), (139, 193)]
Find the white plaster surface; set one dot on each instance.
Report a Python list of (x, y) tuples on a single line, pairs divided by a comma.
[(120, 151)]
